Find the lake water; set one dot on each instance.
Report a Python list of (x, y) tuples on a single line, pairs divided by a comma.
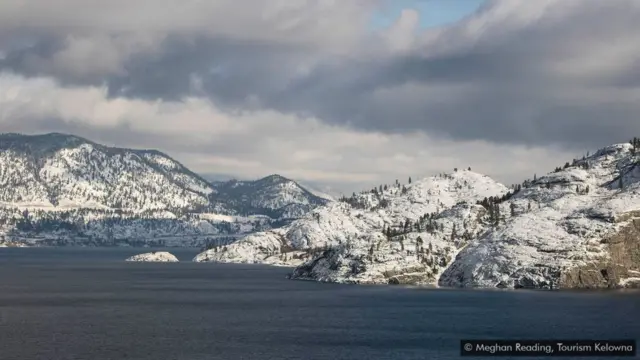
[(87, 303)]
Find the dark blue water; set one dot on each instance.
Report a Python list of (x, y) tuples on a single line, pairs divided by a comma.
[(84, 303)]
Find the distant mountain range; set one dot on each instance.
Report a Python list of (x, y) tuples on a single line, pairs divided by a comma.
[(61, 189), (575, 227)]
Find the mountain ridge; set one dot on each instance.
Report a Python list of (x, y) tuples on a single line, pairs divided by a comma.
[(572, 228), (57, 176)]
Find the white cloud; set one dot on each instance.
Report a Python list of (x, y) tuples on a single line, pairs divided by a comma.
[(255, 144), (304, 88), (401, 34)]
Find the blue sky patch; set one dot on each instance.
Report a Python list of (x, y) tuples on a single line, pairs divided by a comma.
[(432, 12)]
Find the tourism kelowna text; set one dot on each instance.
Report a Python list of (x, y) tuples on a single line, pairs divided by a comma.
[(548, 348)]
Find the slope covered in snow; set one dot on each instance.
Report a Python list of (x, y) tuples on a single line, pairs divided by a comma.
[(576, 227), (274, 196), (361, 221), (61, 170), (58, 189), (156, 256)]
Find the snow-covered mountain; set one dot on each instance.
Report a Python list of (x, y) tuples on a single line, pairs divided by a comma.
[(577, 227), (57, 170), (61, 189), (274, 196), (362, 219)]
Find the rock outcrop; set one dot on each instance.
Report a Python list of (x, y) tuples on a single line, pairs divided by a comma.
[(619, 268), (156, 256)]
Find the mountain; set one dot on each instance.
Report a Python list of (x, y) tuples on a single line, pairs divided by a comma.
[(274, 196), (61, 189), (57, 170), (576, 227), (359, 220)]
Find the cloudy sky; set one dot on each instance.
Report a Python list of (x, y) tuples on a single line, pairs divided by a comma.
[(340, 93)]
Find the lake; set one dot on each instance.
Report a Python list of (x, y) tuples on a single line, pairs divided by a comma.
[(87, 303)]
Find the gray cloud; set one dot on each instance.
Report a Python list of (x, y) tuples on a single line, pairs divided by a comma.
[(561, 73), (524, 86), (254, 144), (505, 80)]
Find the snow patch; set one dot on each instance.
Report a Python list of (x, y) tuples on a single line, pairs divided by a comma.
[(159, 256)]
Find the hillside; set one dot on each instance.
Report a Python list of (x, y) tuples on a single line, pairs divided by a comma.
[(59, 189), (577, 227), (274, 196), (57, 170), (362, 219)]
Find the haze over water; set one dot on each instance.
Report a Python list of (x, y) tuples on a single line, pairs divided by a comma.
[(87, 303)]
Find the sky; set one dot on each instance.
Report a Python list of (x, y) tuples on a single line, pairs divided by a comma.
[(344, 95), (433, 13)]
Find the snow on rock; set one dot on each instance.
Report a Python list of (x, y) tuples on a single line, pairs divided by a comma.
[(633, 282), (576, 227), (560, 224), (58, 189), (7, 244), (156, 256), (355, 225)]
